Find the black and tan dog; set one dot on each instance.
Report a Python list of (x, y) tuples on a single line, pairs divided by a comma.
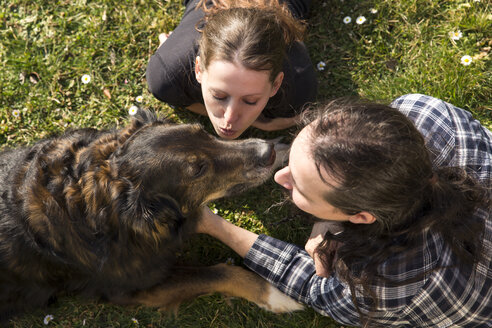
[(101, 213)]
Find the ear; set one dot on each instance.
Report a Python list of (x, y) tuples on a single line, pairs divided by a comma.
[(141, 118), (362, 218), (198, 70), (145, 116), (277, 83), (145, 214)]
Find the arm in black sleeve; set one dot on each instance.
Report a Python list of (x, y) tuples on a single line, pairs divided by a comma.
[(170, 72)]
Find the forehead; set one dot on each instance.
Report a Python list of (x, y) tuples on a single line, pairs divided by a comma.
[(303, 167), (301, 162), (227, 75)]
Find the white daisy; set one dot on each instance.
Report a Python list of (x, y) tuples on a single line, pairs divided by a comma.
[(466, 60), (134, 321), (373, 11), (16, 113), (230, 261), (321, 66), (360, 20), (215, 211), (347, 20), (48, 318), (86, 78), (133, 110), (139, 99), (456, 35)]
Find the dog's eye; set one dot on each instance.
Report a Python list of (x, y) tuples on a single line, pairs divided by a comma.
[(199, 169)]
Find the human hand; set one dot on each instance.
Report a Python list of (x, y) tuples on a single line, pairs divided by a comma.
[(315, 239)]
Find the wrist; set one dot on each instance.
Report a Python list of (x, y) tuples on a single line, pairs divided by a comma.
[(207, 222), (237, 238)]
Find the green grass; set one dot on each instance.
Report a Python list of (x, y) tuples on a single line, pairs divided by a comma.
[(47, 46)]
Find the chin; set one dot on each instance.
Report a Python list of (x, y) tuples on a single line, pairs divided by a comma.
[(229, 137)]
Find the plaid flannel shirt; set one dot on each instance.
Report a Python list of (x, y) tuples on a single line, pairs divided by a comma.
[(443, 298)]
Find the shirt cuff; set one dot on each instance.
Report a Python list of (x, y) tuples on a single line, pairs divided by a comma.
[(285, 265)]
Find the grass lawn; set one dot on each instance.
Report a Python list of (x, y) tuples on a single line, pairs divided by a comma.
[(46, 47)]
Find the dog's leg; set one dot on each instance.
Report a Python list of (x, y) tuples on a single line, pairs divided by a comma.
[(188, 283)]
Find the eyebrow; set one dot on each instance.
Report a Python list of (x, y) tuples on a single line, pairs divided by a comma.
[(217, 90), (222, 91)]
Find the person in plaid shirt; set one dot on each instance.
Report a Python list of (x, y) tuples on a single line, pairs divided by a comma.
[(403, 235)]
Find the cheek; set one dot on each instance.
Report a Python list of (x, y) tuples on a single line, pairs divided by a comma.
[(301, 202), (212, 106), (255, 111), (261, 105), (249, 116)]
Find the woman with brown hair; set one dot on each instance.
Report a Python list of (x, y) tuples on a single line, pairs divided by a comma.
[(401, 196), (242, 63)]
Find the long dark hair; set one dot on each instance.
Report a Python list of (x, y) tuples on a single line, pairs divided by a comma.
[(381, 164), (254, 34)]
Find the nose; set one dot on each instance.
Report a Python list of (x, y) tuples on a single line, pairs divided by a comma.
[(267, 154), (231, 112), (282, 177)]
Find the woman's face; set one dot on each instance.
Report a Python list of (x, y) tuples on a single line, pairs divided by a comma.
[(234, 96), (301, 178)]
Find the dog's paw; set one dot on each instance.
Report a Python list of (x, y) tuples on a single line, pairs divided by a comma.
[(278, 302)]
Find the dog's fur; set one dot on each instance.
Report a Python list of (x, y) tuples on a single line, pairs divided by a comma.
[(101, 213)]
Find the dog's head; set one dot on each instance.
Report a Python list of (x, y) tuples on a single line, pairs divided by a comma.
[(144, 183), (182, 167)]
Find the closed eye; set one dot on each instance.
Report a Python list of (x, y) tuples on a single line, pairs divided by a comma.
[(219, 98), (251, 103)]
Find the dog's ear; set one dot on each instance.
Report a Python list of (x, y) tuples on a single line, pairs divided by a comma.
[(151, 213), (141, 118), (145, 116)]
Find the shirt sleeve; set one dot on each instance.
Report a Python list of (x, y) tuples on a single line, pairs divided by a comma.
[(171, 70), (452, 135), (291, 270), (429, 116)]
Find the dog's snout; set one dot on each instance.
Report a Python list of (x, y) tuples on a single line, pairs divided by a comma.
[(258, 153), (267, 154)]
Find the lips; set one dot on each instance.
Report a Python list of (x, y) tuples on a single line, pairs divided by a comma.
[(227, 132)]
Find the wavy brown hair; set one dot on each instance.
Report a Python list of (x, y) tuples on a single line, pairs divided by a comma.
[(253, 33), (381, 164)]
